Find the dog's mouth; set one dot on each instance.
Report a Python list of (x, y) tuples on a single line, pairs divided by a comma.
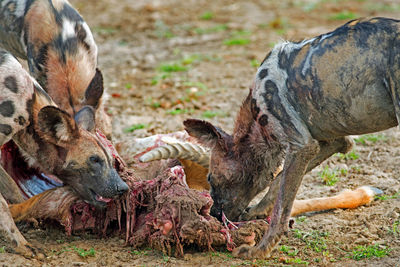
[(98, 198), (32, 181)]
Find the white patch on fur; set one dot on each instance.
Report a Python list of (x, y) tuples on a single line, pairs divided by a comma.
[(279, 77), (28, 158), (68, 29), (90, 41), (20, 9), (62, 132)]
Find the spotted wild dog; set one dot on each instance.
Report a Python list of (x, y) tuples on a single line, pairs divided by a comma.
[(306, 99), (53, 141), (60, 50)]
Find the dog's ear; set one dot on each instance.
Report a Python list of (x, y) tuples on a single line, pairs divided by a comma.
[(56, 126), (207, 134), (85, 118), (95, 90)]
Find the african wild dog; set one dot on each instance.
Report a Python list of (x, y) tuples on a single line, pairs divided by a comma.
[(306, 98), (52, 140), (60, 51)]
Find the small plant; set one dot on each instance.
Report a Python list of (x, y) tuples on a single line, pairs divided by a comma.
[(314, 240), (135, 127), (85, 253), (366, 252), (238, 38), (329, 177), (162, 30), (296, 261), (214, 29), (352, 155), (395, 230), (173, 67), (372, 138), (290, 251), (3, 249), (128, 86), (236, 41), (345, 15), (255, 63), (301, 219), (209, 114), (208, 15), (386, 197), (178, 111)]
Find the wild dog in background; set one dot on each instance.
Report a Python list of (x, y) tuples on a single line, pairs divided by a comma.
[(60, 50), (51, 140), (306, 98)]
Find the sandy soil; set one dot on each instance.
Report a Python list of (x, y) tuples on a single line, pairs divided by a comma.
[(138, 39)]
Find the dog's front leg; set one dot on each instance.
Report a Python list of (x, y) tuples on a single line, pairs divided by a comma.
[(9, 189), (9, 230), (295, 166)]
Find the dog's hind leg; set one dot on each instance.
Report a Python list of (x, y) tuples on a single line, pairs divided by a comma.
[(328, 148)]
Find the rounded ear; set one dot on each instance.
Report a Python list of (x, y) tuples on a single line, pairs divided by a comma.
[(56, 126), (207, 134), (95, 90), (85, 118)]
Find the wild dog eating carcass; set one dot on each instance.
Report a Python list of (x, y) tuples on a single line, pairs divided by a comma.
[(60, 50), (306, 98), (53, 141), (161, 209)]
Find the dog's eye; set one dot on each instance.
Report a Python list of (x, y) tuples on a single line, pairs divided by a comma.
[(72, 164), (95, 159)]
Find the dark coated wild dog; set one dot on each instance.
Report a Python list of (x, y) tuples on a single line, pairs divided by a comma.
[(52, 141), (60, 50), (306, 98)]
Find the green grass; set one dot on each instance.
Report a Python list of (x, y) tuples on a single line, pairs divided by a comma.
[(104, 30), (238, 38), (288, 250), (162, 30), (128, 86), (236, 41), (85, 253), (329, 176), (208, 114), (344, 15), (315, 240), (213, 29), (301, 219), (208, 15), (352, 155), (371, 251), (178, 111), (3, 249), (395, 229), (135, 127), (296, 261), (386, 197), (254, 63), (172, 67), (371, 138)]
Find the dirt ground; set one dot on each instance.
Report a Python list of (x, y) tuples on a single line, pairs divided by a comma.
[(167, 60)]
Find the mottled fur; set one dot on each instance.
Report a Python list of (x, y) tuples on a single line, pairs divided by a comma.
[(60, 51), (306, 98), (52, 140)]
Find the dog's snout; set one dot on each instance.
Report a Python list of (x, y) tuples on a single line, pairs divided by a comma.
[(122, 188)]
